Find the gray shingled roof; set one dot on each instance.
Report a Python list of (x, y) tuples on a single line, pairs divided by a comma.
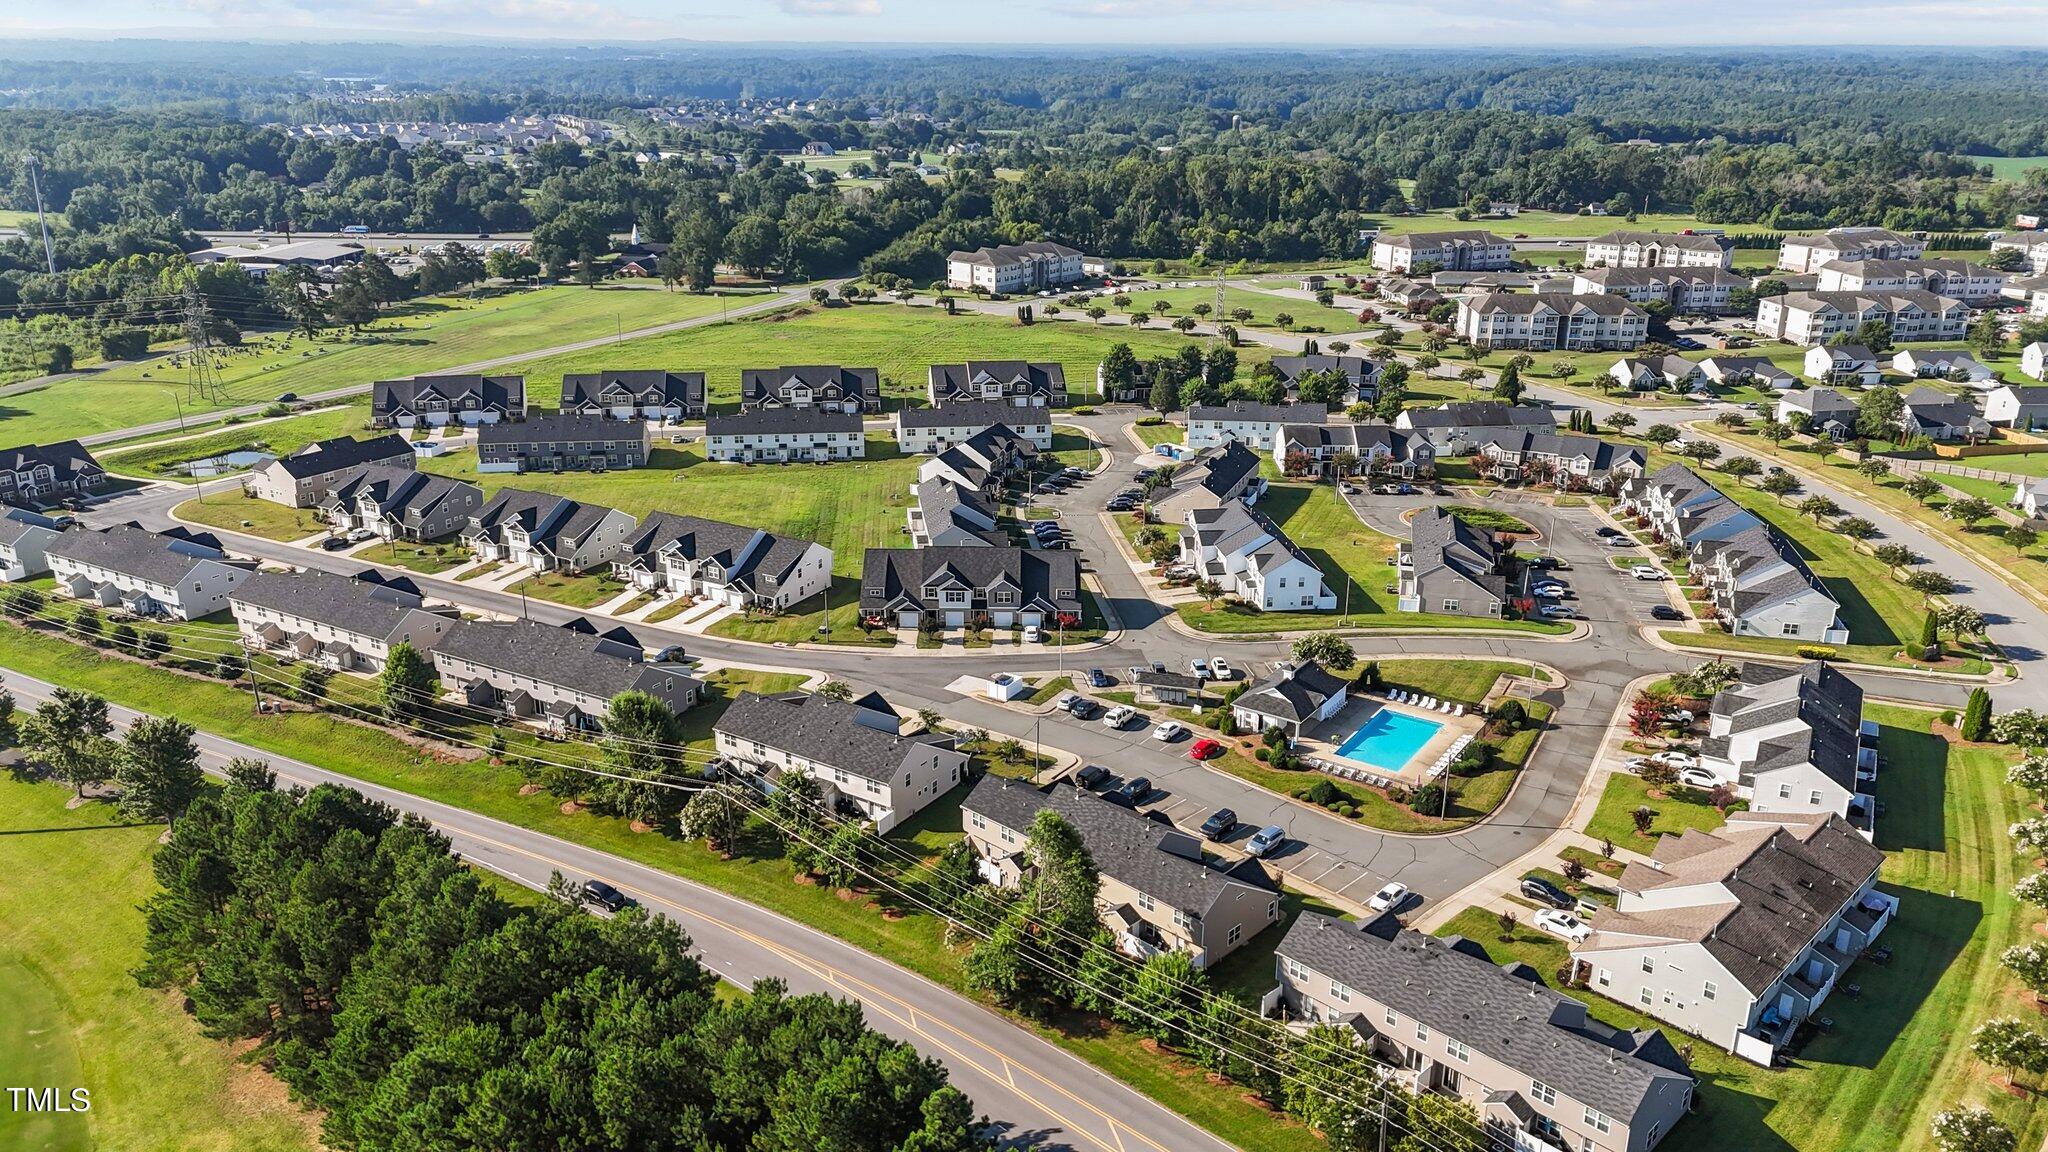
[(661, 387), (343, 452), (890, 574), (972, 414), (559, 655), (159, 558), (559, 425), (1294, 696), (365, 609), (1240, 410), (824, 731), (1048, 376), (765, 421), (1479, 414)]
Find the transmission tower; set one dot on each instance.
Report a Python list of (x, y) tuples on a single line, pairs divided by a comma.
[(1219, 304), (35, 180), (201, 381)]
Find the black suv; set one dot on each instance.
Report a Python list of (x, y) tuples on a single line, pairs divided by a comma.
[(1543, 891), (1092, 776), (1133, 792), (1220, 825), (605, 896)]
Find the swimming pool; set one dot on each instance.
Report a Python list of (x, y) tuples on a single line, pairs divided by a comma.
[(1389, 740)]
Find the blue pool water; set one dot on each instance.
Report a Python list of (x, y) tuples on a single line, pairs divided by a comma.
[(1389, 740)]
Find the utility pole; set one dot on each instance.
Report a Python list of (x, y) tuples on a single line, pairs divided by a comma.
[(35, 180), (200, 379), (255, 685)]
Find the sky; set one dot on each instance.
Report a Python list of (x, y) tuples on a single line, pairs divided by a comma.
[(1463, 23)]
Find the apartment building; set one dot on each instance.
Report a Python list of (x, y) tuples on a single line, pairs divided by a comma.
[(1466, 250), (952, 587), (1028, 267), (1255, 425), (302, 479), (563, 441), (1804, 254), (31, 473), (1017, 383), (635, 394), (558, 676), (1361, 375), (435, 401), (400, 503), (1628, 249), (546, 532), (1252, 559), (178, 574), (1957, 279), (1815, 317), (1209, 478), (25, 538), (730, 564), (1374, 450), (983, 461), (826, 387), (1451, 568), (854, 749), (923, 430), (1571, 461), (946, 514), (1551, 320), (785, 435), (1456, 428), (1689, 291), (1793, 741), (346, 623), (2032, 247)]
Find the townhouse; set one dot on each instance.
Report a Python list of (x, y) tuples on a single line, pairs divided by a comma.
[(1649, 373), (784, 435), (2032, 247), (1959, 279), (1755, 371), (435, 401), (1459, 426), (1255, 425), (34, 473), (635, 394), (1572, 461), (1688, 290), (302, 479), (1466, 250), (941, 588), (1539, 1071), (1452, 568), (826, 387), (563, 441), (344, 623), (2034, 360), (545, 532), (982, 461), (1843, 364), (922, 430), (854, 749), (2031, 292), (1907, 314), (178, 574), (1016, 383), (400, 503), (1809, 253), (946, 514), (1361, 375), (24, 543), (2024, 407), (1028, 267), (1826, 412), (1627, 249), (2031, 497), (1156, 892), (1793, 741), (1252, 559), (1411, 295), (1946, 364), (560, 676), (1757, 582), (1551, 320), (1291, 699), (729, 564), (1366, 449), (1739, 935), (1209, 478), (1940, 416)]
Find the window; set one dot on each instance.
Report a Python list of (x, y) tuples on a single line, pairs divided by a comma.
[(1644, 996), (1791, 630), (1450, 605), (1145, 901), (1421, 1032), (1449, 1079), (1542, 1093), (1340, 993), (1784, 791), (1393, 1018), (1294, 969), (1813, 797), (1458, 1051), (1597, 1120), (1707, 990), (1649, 965)]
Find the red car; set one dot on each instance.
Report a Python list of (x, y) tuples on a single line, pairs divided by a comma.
[(1205, 749)]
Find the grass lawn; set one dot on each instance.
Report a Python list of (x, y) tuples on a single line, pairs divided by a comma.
[(1679, 809), (1265, 308), (800, 623), (1247, 974), (426, 559), (1492, 519), (71, 1015), (577, 589), (1995, 491), (1071, 448), (277, 437), (2011, 167), (1348, 552), (1162, 433), (1900, 1052), (1050, 689), (419, 336), (898, 340), (242, 513)]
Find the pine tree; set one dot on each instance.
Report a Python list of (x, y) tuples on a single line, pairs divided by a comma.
[(159, 769), (1976, 723)]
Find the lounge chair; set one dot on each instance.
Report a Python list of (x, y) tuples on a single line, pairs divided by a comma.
[(1461, 710), (1397, 695)]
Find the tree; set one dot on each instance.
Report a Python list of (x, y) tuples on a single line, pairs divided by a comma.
[(997, 965), (1930, 583), (1164, 997), (1741, 467), (1329, 650), (159, 769), (1874, 468), (2009, 1045), (2021, 537), (1508, 386), (1621, 422), (2030, 835), (2031, 775), (715, 816), (1895, 556), (639, 750), (2028, 964), (1921, 488), (311, 685), (1855, 528), (294, 291), (796, 810), (1700, 451), (577, 233), (1660, 434), (1643, 817), (1779, 482), (1506, 922), (1968, 510), (1819, 507), (2021, 726), (1703, 680), (1878, 412), (71, 732), (2032, 889), (1971, 1129), (1930, 638), (1960, 620), (836, 690), (409, 684), (1986, 335), (845, 857)]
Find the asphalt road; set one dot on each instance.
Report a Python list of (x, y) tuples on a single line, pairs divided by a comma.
[(1040, 1096)]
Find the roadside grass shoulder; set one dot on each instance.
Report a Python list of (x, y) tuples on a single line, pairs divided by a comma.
[(237, 512)]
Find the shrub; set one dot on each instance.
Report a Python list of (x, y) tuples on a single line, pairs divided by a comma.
[(1815, 652), (1263, 755), (1322, 793), (1150, 421), (1431, 799), (1512, 714)]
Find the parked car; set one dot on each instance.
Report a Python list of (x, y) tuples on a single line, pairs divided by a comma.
[(1555, 612), (1120, 504), (1671, 759), (1045, 528), (1665, 612), (1265, 840), (1543, 891), (1646, 572), (1548, 588), (1097, 678), (334, 543), (1198, 669), (605, 896), (1220, 668), (1562, 924), (1220, 824), (670, 654), (1032, 635), (1119, 716), (1620, 542), (360, 535), (1604, 530), (1384, 490), (1170, 731), (1135, 790), (1159, 665), (1549, 563), (1348, 489), (1204, 749), (1133, 672), (1080, 707), (1678, 716), (1392, 896), (1698, 778), (1092, 776)]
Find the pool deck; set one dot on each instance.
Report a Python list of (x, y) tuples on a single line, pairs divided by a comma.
[(1323, 739)]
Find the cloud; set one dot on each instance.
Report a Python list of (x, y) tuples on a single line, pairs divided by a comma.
[(830, 7)]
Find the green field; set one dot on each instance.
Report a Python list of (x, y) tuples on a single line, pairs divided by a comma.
[(417, 337), (71, 1016), (1679, 809), (2011, 167), (1264, 307), (1156, 434), (160, 459)]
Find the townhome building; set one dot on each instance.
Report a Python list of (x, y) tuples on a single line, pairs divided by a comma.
[(346, 623), (785, 435), (400, 503), (1824, 411), (2032, 247), (854, 749), (1958, 279), (1209, 478), (1458, 427), (25, 539), (1466, 250), (1940, 416), (1373, 449), (826, 387), (36, 473), (1845, 364), (983, 461), (2034, 360), (1809, 253), (954, 587), (1290, 700), (1451, 568), (635, 394), (546, 532), (1028, 267), (2031, 292), (178, 574), (1753, 371), (1016, 383), (1252, 559), (1741, 934), (1629, 249), (1689, 291), (1793, 740), (559, 676), (563, 441), (945, 514), (1157, 892), (2024, 407), (1551, 320), (1650, 373), (1411, 295), (2031, 498), (1907, 314), (435, 401), (1756, 581), (1255, 425), (302, 479), (932, 430), (1541, 1073), (730, 564), (1941, 364), (1361, 375), (1572, 461)]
